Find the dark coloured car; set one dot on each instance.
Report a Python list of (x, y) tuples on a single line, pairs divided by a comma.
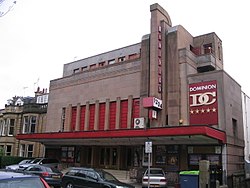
[(51, 175), (21, 180), (87, 177), (42, 161)]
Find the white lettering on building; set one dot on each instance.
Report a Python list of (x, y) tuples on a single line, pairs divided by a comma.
[(200, 99), (201, 88)]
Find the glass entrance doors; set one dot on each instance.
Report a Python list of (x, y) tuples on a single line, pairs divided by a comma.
[(109, 157)]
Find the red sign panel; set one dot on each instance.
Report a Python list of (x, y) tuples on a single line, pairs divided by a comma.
[(203, 105)]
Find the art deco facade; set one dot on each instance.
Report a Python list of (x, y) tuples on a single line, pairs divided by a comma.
[(170, 89)]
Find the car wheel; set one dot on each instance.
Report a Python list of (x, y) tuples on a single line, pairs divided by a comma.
[(69, 185)]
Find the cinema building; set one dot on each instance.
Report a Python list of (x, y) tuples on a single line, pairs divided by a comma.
[(170, 89)]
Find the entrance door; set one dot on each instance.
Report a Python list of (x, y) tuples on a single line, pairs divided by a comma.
[(109, 157)]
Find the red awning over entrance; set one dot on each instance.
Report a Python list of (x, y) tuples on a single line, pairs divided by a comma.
[(160, 135)]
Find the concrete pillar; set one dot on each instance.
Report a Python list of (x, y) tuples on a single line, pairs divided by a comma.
[(118, 113), (78, 117), (130, 109), (107, 106), (68, 116), (204, 173), (86, 123), (96, 123)]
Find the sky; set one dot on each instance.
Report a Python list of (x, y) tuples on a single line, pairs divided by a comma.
[(37, 37)]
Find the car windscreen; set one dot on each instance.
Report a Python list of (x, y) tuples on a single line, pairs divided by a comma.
[(21, 183), (107, 176), (157, 172)]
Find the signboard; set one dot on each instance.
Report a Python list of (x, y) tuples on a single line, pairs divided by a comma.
[(203, 105), (148, 147), (152, 102)]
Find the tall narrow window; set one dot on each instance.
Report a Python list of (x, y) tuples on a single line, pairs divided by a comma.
[(1, 150), (30, 150), (32, 124), (235, 128), (11, 127), (5, 127), (1, 127), (8, 150), (25, 124), (29, 124)]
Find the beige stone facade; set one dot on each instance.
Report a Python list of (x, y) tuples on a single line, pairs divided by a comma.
[(12, 123), (92, 109)]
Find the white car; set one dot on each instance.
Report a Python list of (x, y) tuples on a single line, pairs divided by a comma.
[(157, 178), (16, 166)]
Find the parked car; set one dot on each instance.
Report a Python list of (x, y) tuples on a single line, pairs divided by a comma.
[(50, 174), (16, 166), (87, 177), (157, 178), (43, 161), (19, 180)]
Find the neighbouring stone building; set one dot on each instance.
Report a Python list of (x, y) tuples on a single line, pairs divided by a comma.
[(23, 115)]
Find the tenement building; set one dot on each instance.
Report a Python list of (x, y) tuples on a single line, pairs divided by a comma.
[(25, 115), (169, 91)]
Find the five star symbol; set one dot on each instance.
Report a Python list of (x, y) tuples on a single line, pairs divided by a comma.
[(201, 111)]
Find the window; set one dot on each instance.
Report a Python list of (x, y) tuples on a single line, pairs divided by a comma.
[(11, 127), (84, 68), (112, 61), (195, 50), (32, 124), (208, 48), (121, 59), (1, 150), (101, 64), (92, 66), (235, 129), (30, 150), (133, 56), (1, 127), (29, 124), (8, 150), (76, 70), (5, 127)]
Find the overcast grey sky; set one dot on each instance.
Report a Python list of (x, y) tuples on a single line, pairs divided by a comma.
[(38, 36)]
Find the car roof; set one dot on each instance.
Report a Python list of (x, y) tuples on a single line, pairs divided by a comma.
[(80, 168), (9, 174)]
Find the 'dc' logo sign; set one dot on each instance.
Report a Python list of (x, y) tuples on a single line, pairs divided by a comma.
[(206, 98)]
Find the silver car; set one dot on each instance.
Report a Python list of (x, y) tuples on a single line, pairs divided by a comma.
[(16, 166), (42, 161), (157, 178)]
